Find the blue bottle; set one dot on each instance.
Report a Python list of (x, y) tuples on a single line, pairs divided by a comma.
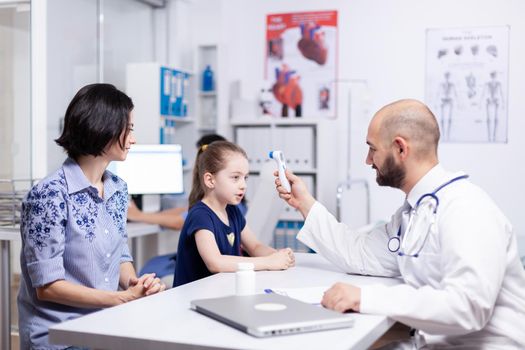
[(207, 79)]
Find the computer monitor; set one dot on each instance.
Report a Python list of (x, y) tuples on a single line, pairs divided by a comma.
[(151, 169)]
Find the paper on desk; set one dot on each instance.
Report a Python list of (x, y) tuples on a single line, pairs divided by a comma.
[(310, 295)]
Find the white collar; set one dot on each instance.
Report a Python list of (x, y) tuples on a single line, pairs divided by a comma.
[(434, 178)]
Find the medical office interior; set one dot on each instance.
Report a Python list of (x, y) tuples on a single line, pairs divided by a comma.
[(219, 64)]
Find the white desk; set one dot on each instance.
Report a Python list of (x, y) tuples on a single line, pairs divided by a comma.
[(8, 234), (135, 231), (165, 321), (139, 229)]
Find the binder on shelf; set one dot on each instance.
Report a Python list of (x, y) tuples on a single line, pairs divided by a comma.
[(299, 147), (285, 236), (165, 90), (252, 141), (242, 138), (174, 92)]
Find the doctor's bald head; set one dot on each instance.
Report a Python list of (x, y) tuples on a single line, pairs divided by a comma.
[(413, 121)]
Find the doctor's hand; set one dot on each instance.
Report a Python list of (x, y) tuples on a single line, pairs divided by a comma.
[(342, 297), (299, 198)]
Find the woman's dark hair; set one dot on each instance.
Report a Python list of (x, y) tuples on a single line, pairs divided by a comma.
[(95, 118), (210, 159)]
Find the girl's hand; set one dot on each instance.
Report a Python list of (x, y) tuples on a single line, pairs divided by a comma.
[(281, 259), (290, 253)]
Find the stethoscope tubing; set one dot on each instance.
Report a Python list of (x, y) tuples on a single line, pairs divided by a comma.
[(394, 243)]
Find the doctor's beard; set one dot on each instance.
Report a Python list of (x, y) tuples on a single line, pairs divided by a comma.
[(390, 174)]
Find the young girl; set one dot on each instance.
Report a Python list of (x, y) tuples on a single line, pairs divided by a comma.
[(215, 231)]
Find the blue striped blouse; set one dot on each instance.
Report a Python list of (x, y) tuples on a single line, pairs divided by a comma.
[(68, 233)]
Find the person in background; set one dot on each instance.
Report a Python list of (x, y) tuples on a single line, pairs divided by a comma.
[(209, 138), (173, 218), (452, 246), (75, 258), (215, 231)]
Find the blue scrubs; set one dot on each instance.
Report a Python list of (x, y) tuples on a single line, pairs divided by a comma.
[(190, 266)]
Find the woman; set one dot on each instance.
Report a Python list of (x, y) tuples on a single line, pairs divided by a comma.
[(74, 243)]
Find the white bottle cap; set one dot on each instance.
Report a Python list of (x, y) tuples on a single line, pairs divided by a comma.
[(245, 266)]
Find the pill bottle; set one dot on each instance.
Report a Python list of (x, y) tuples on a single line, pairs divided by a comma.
[(245, 279)]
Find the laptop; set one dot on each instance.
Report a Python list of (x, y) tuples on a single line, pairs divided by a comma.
[(267, 315)]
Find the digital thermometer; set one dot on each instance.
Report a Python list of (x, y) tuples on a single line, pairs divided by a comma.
[(281, 167)]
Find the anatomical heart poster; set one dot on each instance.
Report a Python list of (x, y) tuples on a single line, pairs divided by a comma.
[(301, 64)]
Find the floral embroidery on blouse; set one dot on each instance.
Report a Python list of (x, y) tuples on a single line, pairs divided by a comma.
[(44, 211), (117, 207), (85, 212)]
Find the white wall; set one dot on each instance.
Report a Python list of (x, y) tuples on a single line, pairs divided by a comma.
[(14, 93), (72, 53), (6, 92), (178, 31), (22, 117), (128, 37), (39, 89), (21, 89), (71, 63), (383, 43)]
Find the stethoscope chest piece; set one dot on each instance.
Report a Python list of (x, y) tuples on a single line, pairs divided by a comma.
[(393, 244)]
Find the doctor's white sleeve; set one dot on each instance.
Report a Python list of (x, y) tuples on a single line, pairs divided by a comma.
[(353, 251), (472, 257)]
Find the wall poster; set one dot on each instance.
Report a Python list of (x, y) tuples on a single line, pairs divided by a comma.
[(301, 64), (467, 82)]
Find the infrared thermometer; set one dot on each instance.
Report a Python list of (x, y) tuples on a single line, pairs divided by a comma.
[(281, 167)]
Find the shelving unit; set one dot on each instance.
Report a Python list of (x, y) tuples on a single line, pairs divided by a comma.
[(206, 101), (300, 139), (296, 138), (163, 113)]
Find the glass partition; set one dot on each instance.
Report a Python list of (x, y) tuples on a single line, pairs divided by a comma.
[(85, 41), (15, 108), (15, 150)]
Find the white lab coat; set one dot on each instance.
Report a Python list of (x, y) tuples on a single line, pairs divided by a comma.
[(467, 287)]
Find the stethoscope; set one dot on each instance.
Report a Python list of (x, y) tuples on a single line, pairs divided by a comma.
[(394, 243)]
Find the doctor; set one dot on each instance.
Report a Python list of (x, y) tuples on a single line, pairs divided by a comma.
[(449, 242)]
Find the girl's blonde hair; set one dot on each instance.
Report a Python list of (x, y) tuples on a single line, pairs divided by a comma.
[(210, 159)]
